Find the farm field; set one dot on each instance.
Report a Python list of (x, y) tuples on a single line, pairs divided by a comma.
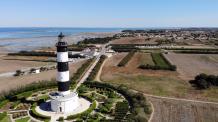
[(14, 82), (147, 81), (190, 65), (167, 110), (155, 82)]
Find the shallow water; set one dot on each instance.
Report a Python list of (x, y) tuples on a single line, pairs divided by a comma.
[(17, 39)]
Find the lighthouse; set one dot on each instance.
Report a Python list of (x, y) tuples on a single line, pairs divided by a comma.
[(63, 101)]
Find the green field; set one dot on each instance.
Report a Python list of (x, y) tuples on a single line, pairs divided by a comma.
[(159, 60), (145, 58)]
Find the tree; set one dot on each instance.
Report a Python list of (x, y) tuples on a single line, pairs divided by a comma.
[(203, 84)]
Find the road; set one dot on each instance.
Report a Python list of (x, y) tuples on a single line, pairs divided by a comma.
[(86, 75)]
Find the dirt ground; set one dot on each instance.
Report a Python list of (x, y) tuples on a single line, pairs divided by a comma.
[(13, 65), (133, 40), (148, 81), (166, 110), (14, 82), (190, 65)]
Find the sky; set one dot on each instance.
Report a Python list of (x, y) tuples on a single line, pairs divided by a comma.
[(109, 13)]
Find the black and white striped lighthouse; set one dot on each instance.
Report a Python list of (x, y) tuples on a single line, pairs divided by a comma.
[(62, 66), (63, 101)]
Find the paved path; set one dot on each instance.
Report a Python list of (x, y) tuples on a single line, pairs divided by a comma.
[(86, 75), (180, 99)]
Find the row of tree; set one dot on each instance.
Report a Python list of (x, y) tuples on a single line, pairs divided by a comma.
[(126, 59), (81, 70), (204, 81), (96, 40), (96, 68), (33, 53)]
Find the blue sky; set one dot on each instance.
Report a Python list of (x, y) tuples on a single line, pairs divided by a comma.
[(109, 13)]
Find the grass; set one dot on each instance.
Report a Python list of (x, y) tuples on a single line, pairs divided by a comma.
[(3, 103), (43, 97), (156, 85), (23, 119), (145, 58), (24, 95), (5, 119), (211, 94), (158, 60)]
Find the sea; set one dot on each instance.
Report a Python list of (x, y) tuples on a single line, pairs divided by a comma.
[(45, 32), (19, 39)]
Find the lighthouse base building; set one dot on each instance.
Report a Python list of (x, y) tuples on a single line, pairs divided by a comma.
[(64, 104), (63, 101)]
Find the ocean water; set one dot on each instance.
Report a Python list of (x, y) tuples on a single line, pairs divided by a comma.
[(18, 39), (6, 33)]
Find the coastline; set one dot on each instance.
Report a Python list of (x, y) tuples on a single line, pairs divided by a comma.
[(28, 44)]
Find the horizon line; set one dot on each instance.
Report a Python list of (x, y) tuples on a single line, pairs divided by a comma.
[(110, 27)]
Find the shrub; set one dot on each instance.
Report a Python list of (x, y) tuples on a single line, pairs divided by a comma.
[(18, 73), (204, 81), (35, 114), (121, 110), (61, 119), (135, 100)]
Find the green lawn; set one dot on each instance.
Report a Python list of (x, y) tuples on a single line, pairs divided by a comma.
[(158, 60), (23, 119), (6, 119), (145, 58)]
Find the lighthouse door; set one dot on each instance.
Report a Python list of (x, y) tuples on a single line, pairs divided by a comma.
[(60, 109)]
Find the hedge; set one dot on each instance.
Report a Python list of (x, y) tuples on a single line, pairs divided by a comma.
[(81, 70), (96, 40), (126, 59), (13, 95), (197, 52), (121, 110), (123, 47), (36, 115), (136, 100), (33, 53)]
